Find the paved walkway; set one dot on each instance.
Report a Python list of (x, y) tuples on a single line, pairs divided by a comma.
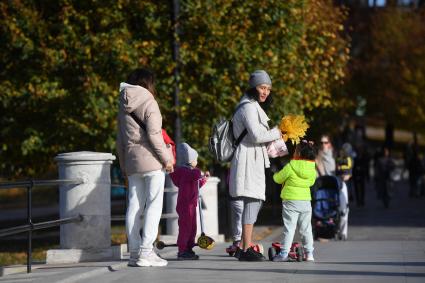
[(383, 246), (351, 261)]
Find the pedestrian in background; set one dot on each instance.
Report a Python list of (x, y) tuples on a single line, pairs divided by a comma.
[(383, 168), (325, 160), (421, 182), (326, 166), (344, 167), (414, 165), (361, 174)]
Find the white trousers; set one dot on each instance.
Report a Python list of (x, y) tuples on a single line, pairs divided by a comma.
[(145, 195), (344, 210)]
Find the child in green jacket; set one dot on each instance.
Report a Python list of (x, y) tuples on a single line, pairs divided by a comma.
[(297, 177)]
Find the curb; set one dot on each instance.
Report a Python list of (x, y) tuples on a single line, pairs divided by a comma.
[(94, 272), (17, 269), (22, 269)]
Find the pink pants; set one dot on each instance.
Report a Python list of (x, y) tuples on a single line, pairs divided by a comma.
[(187, 227)]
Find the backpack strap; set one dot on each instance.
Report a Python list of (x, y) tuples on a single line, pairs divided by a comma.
[(239, 106), (138, 121), (245, 131), (240, 138)]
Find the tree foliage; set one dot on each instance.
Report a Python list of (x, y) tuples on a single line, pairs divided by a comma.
[(390, 74), (62, 62)]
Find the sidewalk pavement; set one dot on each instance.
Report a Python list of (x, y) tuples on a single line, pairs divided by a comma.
[(336, 261), (384, 245)]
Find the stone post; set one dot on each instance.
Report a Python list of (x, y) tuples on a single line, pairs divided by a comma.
[(90, 239)]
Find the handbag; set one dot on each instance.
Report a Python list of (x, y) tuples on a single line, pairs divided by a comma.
[(170, 144), (277, 148)]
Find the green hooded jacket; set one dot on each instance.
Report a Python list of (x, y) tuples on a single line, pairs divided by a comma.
[(297, 177)]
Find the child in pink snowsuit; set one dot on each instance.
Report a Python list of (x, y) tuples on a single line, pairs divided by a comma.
[(186, 177)]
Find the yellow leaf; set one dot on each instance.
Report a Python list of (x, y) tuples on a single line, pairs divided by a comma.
[(293, 127)]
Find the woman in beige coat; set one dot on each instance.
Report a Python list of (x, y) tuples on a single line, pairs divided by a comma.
[(144, 159)]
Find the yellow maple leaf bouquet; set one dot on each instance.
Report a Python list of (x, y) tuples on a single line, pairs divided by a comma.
[(293, 127)]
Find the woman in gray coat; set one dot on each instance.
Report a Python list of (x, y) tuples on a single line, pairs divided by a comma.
[(247, 170)]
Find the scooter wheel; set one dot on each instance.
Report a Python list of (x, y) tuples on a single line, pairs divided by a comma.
[(272, 253), (160, 245)]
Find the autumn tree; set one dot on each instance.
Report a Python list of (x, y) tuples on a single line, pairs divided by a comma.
[(62, 62), (390, 72)]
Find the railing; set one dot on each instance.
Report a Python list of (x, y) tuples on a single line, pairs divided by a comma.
[(30, 226)]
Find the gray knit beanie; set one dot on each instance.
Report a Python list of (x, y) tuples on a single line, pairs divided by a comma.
[(259, 77), (186, 154)]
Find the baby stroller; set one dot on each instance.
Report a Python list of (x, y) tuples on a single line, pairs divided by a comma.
[(325, 203)]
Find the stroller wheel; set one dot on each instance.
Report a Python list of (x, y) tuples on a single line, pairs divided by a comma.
[(272, 253)]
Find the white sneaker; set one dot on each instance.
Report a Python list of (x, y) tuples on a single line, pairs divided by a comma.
[(150, 259), (309, 257)]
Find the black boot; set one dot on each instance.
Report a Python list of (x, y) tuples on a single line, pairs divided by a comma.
[(238, 253), (251, 255)]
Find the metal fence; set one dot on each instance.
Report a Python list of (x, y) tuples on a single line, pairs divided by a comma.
[(30, 226)]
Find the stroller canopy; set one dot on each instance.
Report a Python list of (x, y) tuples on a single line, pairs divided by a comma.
[(326, 197)]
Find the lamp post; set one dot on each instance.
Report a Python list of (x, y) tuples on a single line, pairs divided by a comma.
[(176, 58)]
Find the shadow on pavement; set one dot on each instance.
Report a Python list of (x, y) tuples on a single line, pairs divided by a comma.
[(377, 263), (315, 272)]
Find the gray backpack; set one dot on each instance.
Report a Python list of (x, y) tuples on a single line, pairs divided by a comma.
[(222, 143)]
